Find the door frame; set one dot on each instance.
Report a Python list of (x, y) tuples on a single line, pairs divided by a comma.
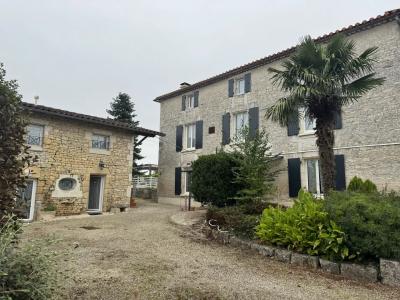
[(101, 194), (33, 201)]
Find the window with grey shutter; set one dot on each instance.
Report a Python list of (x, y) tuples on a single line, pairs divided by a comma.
[(293, 125), (226, 128), (179, 136), (247, 82), (199, 134), (183, 102), (231, 83), (196, 98), (294, 176), (178, 180), (338, 120), (253, 121), (340, 181)]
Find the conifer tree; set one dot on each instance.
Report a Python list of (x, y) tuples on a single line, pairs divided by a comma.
[(123, 109)]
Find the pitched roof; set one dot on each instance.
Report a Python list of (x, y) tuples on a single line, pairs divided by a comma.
[(364, 25), (89, 119)]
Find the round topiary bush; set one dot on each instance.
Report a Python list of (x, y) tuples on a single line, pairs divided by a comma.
[(212, 179)]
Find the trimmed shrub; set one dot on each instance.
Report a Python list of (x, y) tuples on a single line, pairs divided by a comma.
[(356, 184), (212, 179), (305, 228), (26, 271), (371, 222)]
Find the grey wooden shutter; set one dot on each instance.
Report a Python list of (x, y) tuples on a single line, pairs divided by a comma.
[(340, 172), (338, 120), (199, 134), (183, 102), (230, 87), (294, 176), (179, 137), (178, 180), (196, 98), (247, 82), (253, 121), (293, 125), (226, 128)]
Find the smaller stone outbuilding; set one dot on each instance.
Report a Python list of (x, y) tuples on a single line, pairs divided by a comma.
[(84, 163)]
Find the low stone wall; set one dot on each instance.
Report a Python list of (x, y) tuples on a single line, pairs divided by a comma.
[(387, 272)]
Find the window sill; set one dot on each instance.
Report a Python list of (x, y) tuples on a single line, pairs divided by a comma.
[(35, 148), (188, 150), (307, 133), (99, 151), (186, 194)]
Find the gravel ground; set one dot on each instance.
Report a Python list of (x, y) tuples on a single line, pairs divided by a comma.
[(142, 255)]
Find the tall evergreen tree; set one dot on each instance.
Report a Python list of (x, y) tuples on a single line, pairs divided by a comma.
[(123, 109), (14, 157)]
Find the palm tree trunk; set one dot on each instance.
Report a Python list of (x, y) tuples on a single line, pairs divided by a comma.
[(325, 142)]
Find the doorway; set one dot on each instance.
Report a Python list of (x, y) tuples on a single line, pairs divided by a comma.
[(96, 188), (25, 203)]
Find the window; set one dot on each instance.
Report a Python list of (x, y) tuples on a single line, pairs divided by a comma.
[(100, 142), (190, 135), (239, 86), (189, 102), (314, 179), (34, 135), (211, 130), (309, 124), (241, 121), (188, 181), (67, 184)]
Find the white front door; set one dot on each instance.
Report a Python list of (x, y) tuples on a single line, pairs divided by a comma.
[(25, 204)]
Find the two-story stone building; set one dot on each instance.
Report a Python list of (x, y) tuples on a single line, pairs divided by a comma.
[(84, 163), (201, 117)]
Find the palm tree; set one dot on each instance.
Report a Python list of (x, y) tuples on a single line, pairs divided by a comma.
[(318, 81)]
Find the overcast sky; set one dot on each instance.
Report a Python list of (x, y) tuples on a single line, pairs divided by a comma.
[(77, 55)]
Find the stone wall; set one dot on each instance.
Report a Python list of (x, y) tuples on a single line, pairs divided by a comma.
[(67, 152), (369, 139)]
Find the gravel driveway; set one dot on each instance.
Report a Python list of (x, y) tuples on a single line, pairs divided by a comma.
[(142, 255)]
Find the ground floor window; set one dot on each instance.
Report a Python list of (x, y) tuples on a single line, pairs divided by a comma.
[(314, 178), (187, 181)]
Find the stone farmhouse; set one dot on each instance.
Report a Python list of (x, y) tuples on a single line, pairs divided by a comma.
[(84, 163), (203, 116)]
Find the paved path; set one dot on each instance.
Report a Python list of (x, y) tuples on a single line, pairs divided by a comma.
[(142, 255)]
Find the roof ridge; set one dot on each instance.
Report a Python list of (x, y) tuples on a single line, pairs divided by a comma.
[(351, 29), (89, 118)]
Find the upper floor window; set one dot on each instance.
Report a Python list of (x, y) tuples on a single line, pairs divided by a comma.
[(101, 142), (309, 124), (241, 120), (239, 86), (189, 102), (190, 136), (34, 135)]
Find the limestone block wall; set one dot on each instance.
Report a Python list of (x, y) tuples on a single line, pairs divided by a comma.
[(67, 152), (369, 139)]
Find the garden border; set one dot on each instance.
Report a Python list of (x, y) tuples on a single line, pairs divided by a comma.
[(386, 272)]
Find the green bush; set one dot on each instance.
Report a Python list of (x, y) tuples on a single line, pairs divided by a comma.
[(26, 271), (356, 184), (212, 179), (238, 219), (305, 228), (371, 222)]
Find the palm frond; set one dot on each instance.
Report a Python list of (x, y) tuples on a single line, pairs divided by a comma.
[(362, 85), (284, 108)]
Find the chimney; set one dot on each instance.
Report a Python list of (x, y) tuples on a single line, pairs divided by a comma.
[(36, 98), (184, 85)]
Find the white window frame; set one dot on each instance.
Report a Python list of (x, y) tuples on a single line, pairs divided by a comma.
[(41, 135), (107, 140), (235, 127), (318, 193), (189, 102), (240, 86), (190, 129), (311, 122), (185, 185)]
